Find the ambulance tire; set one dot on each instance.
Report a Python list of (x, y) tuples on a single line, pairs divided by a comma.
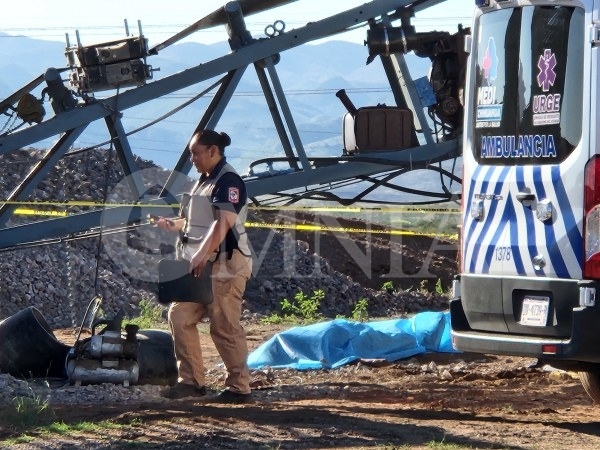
[(591, 384)]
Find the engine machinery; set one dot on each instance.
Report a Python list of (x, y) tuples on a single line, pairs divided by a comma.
[(106, 356), (448, 64)]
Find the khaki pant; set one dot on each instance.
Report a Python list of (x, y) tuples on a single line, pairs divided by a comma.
[(228, 284)]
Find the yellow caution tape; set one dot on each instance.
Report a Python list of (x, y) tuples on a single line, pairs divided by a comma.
[(87, 203), (298, 227), (39, 212), (309, 208), (356, 209), (321, 228), (33, 211)]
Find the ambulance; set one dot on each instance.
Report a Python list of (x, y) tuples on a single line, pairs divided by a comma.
[(530, 230)]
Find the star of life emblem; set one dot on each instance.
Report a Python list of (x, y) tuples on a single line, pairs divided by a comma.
[(547, 75)]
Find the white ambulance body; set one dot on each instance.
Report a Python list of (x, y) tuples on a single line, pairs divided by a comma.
[(530, 236)]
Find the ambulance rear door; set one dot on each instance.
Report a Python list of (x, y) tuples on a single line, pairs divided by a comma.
[(524, 159)]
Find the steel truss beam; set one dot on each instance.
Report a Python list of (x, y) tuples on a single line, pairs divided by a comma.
[(262, 54)]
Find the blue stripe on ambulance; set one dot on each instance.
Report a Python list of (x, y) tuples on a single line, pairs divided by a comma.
[(529, 226), (489, 253), (466, 211), (489, 216), (522, 226), (474, 223), (489, 171), (558, 262), (568, 216), (514, 231), (481, 173)]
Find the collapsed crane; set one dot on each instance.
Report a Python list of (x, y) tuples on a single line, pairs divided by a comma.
[(123, 64)]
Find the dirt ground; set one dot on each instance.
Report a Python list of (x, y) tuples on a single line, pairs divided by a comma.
[(487, 402)]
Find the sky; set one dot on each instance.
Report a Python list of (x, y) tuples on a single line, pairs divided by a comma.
[(104, 20)]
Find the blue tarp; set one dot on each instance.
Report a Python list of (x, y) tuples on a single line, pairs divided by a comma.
[(337, 342)]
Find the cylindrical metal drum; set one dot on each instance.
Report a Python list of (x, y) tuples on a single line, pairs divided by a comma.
[(29, 349)]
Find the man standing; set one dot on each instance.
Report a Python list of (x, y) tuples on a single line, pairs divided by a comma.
[(211, 229)]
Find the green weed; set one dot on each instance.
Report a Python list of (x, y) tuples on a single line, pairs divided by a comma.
[(38, 432), (389, 287), (439, 289), (151, 316), (424, 287), (62, 428), (360, 313), (28, 411), (443, 445), (276, 319), (304, 307)]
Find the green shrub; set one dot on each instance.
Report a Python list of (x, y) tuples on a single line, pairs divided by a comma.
[(28, 411), (439, 289), (388, 286), (304, 307), (359, 312), (151, 315)]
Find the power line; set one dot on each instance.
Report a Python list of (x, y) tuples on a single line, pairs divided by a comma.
[(291, 92), (179, 26), (162, 29)]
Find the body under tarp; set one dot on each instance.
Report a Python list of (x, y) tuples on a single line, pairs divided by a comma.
[(338, 342)]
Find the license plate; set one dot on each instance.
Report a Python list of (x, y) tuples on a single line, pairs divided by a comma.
[(535, 311)]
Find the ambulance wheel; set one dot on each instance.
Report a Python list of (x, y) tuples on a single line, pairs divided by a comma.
[(591, 384)]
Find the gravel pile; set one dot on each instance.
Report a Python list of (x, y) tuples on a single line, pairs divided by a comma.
[(275, 385), (61, 279), (58, 392)]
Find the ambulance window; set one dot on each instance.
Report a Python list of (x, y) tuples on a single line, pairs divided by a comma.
[(528, 97)]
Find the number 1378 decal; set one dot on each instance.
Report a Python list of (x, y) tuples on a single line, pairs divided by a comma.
[(503, 253)]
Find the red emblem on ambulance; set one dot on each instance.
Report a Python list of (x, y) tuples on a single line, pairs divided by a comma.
[(234, 195)]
